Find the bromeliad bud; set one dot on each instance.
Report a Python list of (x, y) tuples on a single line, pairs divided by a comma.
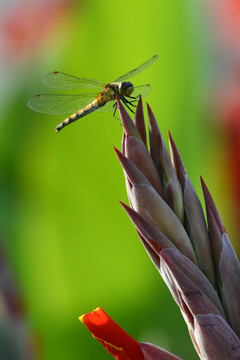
[(193, 259)]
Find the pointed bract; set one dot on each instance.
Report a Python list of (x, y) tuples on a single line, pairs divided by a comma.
[(136, 152), (139, 121), (227, 264), (197, 230), (152, 250), (171, 185), (210, 204), (148, 203), (215, 338), (194, 216), (148, 230), (155, 139), (134, 175), (129, 127), (191, 282), (153, 352), (176, 158)]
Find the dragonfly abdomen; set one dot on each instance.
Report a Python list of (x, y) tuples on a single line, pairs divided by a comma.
[(94, 105)]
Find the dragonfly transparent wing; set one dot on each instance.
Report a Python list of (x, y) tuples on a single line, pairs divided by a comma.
[(143, 90), (139, 69), (62, 81), (53, 104), (109, 106)]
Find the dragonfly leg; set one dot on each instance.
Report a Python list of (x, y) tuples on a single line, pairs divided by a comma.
[(132, 103), (115, 107), (127, 103), (134, 97)]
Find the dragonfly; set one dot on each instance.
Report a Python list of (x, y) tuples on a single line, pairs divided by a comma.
[(100, 96)]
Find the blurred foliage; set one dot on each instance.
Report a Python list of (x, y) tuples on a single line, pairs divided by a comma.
[(71, 245)]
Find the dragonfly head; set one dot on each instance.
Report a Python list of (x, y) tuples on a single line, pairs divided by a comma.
[(126, 88)]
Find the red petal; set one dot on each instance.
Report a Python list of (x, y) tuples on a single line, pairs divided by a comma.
[(112, 337)]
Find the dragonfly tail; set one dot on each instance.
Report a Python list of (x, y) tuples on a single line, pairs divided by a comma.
[(81, 113)]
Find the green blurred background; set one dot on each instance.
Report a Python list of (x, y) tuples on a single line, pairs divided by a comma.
[(70, 244)]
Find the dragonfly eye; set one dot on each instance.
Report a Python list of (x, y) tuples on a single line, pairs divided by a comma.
[(126, 88)]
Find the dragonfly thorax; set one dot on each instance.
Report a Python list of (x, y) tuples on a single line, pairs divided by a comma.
[(126, 88)]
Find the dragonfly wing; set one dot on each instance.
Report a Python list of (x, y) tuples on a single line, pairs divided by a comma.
[(138, 69), (107, 107), (62, 81), (53, 104), (143, 90)]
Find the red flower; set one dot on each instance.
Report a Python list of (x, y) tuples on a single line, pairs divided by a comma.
[(112, 337)]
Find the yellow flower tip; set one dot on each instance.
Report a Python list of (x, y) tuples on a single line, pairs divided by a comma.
[(81, 318)]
